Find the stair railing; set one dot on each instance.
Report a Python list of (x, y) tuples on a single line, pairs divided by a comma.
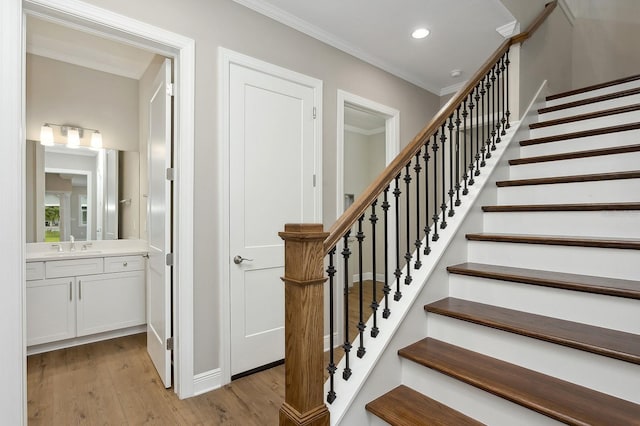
[(395, 222)]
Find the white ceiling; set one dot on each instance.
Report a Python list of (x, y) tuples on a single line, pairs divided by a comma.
[(361, 121), (463, 33), (45, 38)]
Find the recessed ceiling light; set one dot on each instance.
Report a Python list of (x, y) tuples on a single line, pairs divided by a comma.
[(420, 33), (456, 73)]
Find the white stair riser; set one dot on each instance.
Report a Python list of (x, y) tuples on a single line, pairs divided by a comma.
[(599, 164), (617, 313), (478, 404), (593, 107), (603, 262), (594, 93), (613, 224), (611, 376), (582, 125), (608, 140), (607, 191)]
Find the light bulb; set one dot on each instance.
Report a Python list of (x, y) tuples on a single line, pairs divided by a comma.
[(46, 135), (73, 138), (96, 140)]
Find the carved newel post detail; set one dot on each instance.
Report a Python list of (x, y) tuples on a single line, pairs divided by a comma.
[(304, 326)]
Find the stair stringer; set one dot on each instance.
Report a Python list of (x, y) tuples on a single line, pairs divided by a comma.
[(380, 369)]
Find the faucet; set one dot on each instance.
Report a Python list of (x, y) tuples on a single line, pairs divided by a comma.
[(72, 247), (57, 246)]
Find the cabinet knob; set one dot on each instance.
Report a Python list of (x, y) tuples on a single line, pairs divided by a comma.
[(124, 264)]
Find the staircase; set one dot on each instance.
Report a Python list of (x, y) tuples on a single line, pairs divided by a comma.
[(542, 323)]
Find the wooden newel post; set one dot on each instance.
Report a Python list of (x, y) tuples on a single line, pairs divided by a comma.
[(304, 326)]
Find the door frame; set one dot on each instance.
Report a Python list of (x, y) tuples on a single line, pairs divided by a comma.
[(392, 148), (226, 57), (12, 110)]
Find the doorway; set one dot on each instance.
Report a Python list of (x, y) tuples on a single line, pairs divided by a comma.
[(181, 51)]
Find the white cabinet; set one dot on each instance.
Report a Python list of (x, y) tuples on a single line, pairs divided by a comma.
[(51, 313), (80, 297)]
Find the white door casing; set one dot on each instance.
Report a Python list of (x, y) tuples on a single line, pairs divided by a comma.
[(159, 224), (273, 179)]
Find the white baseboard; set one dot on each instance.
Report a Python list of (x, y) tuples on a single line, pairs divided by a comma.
[(336, 342), (76, 341), (368, 276), (207, 381)]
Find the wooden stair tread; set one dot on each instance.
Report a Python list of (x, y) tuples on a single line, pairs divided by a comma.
[(602, 341), (594, 87), (577, 154), (582, 134), (620, 243), (631, 174), (558, 399), (586, 283), (588, 207), (586, 116), (404, 406), (594, 99)]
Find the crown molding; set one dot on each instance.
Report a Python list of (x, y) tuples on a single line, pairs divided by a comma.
[(571, 17), (311, 30), (452, 89), (361, 131)]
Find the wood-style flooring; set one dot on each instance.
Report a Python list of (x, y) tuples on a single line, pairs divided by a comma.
[(114, 383)]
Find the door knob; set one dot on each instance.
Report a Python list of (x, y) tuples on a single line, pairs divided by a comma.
[(237, 259)]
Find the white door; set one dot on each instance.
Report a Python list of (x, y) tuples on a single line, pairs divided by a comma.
[(272, 164), (159, 225)]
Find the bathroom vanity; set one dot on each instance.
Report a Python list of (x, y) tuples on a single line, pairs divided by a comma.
[(93, 292)]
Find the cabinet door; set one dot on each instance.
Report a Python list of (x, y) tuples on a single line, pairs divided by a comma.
[(110, 301), (50, 310)]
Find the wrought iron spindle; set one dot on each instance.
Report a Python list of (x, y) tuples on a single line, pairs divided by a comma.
[(507, 113), (478, 140), (434, 148), (398, 273), (457, 182), (331, 368), (471, 143), (443, 206), (451, 183), (467, 172), (407, 254), (373, 219), (487, 111), (427, 228), (361, 325), (498, 98), (346, 253), (386, 289), (493, 108), (503, 120), (418, 243)]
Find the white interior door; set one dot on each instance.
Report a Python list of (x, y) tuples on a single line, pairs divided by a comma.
[(272, 165), (159, 225)]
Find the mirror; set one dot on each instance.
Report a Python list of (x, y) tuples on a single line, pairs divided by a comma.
[(77, 192)]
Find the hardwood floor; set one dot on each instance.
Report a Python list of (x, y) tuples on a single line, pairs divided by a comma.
[(114, 383)]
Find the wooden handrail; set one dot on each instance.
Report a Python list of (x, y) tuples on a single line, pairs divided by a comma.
[(357, 209)]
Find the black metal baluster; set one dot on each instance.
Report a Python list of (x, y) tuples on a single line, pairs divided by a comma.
[(473, 158), (443, 206), (493, 108), (434, 148), (467, 172), (418, 243), (487, 111), (398, 274), (331, 368), (373, 219), (346, 253), (503, 120), (361, 325), (407, 254), (458, 157), (498, 87), (386, 289), (508, 113), (451, 183), (478, 140), (427, 228)]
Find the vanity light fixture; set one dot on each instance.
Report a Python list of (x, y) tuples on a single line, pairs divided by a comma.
[(420, 33), (73, 134)]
